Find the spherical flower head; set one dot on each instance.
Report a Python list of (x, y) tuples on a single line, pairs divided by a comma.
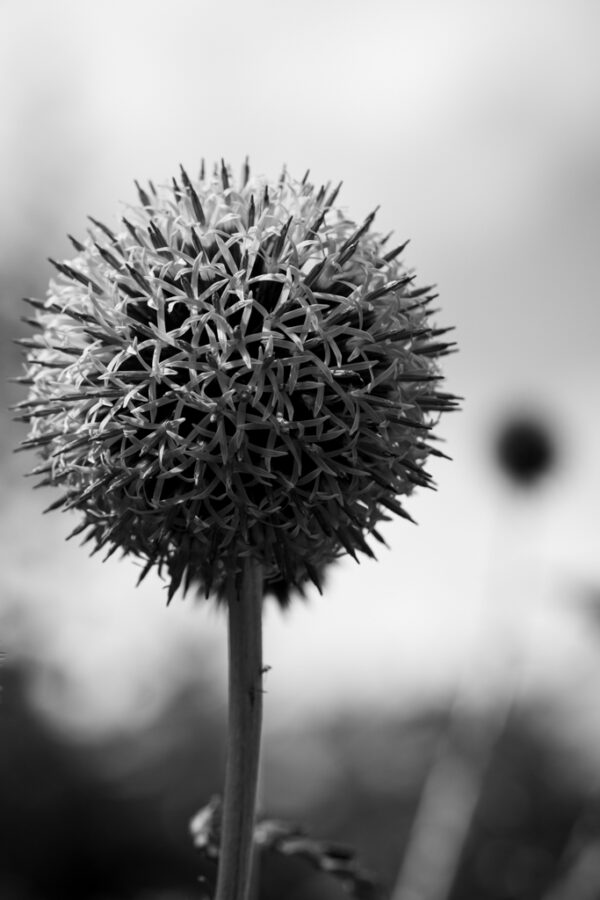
[(240, 370)]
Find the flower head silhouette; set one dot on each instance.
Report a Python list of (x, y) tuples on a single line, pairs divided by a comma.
[(239, 371)]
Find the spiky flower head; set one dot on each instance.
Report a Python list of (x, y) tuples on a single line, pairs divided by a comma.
[(239, 370)]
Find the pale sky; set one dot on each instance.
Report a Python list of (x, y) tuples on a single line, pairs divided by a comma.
[(476, 127)]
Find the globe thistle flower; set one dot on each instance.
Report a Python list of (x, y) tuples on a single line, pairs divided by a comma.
[(236, 387), (240, 370)]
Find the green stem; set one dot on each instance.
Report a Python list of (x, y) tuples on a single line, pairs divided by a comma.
[(244, 604)]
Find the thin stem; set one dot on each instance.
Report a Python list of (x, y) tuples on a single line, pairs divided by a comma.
[(244, 603)]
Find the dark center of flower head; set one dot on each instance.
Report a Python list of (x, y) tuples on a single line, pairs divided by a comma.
[(241, 371)]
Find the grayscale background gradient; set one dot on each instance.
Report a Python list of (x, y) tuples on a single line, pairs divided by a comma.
[(476, 127)]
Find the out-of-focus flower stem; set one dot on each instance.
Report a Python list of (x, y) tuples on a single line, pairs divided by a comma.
[(244, 602)]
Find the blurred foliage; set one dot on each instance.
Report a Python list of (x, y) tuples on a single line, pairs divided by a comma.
[(111, 821), (66, 828)]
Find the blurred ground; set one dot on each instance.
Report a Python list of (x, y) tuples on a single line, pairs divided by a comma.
[(109, 818), (477, 129)]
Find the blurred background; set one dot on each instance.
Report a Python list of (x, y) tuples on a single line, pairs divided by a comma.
[(436, 709)]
